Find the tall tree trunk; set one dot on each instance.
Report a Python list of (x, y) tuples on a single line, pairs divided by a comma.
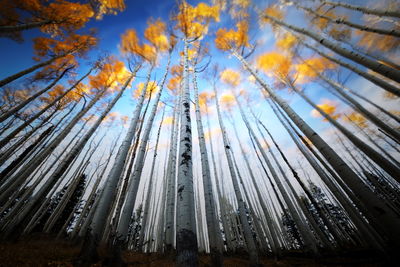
[(249, 240), (342, 21), (368, 76), (365, 10), (13, 77), (356, 57), (108, 194), (385, 164), (384, 217), (134, 177), (21, 105), (9, 137), (211, 217), (186, 239)]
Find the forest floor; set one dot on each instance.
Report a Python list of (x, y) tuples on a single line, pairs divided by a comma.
[(48, 252)]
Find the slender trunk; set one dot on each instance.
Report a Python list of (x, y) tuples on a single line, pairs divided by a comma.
[(186, 239), (368, 76), (31, 166), (384, 217), (342, 21), (134, 177), (309, 242), (108, 194), (249, 240), (21, 105), (9, 137), (25, 26), (385, 164), (211, 217), (369, 115), (365, 10), (13, 149), (28, 70), (356, 57), (146, 207)]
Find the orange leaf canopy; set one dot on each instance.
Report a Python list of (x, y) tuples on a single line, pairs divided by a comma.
[(230, 77), (193, 21), (151, 88), (226, 40), (155, 34), (112, 75), (130, 45), (327, 106), (309, 69), (274, 64)]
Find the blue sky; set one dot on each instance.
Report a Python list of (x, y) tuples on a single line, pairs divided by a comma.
[(18, 56)]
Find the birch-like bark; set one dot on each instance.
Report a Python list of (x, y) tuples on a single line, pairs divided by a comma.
[(370, 77), (150, 189), (13, 77), (32, 165), (274, 243), (309, 242), (365, 10), (368, 198), (356, 57), (10, 136), (342, 21), (134, 179), (108, 194), (211, 217), (249, 240), (360, 108), (170, 176), (186, 238), (21, 105), (385, 164)]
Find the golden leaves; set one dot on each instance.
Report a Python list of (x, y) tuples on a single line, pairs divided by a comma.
[(193, 21), (230, 77), (377, 42), (227, 100), (309, 69), (155, 34), (272, 11), (274, 64), (151, 89), (226, 40), (286, 42), (327, 106), (130, 45), (109, 7), (112, 75), (358, 119)]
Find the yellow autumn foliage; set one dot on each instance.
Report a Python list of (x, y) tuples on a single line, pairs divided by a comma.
[(226, 40), (272, 11), (112, 75), (130, 45), (227, 100), (286, 42), (230, 77), (152, 88), (309, 69), (193, 21), (357, 118), (327, 106), (155, 34), (274, 64)]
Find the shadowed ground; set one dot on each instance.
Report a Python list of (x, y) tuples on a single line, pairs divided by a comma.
[(45, 251)]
